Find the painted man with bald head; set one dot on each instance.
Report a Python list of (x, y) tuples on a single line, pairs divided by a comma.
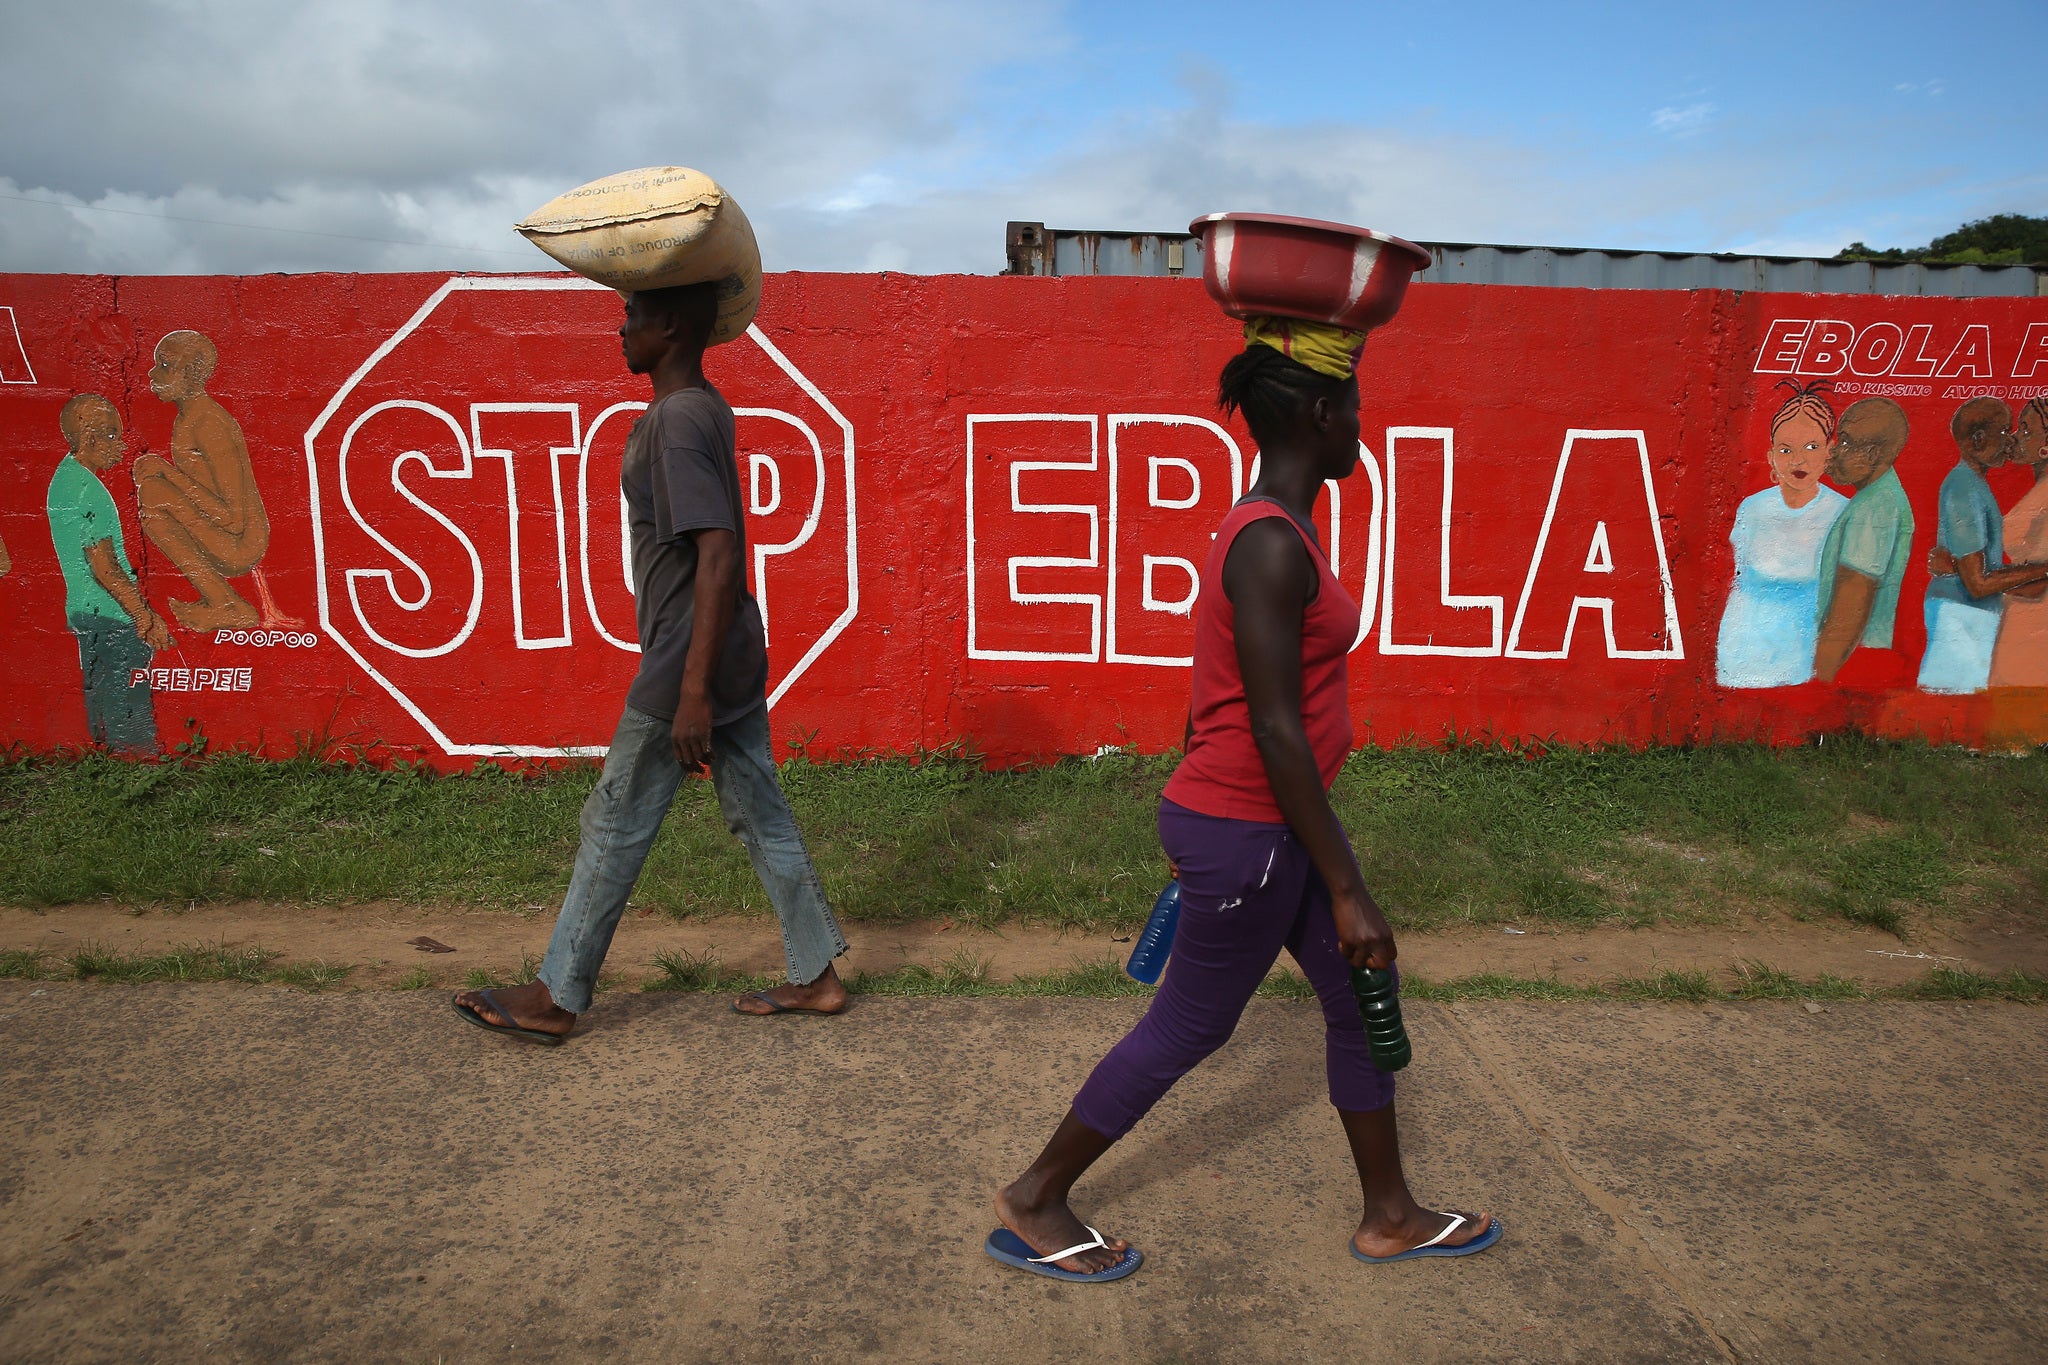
[(201, 507), (1863, 560), (1966, 600), (118, 634)]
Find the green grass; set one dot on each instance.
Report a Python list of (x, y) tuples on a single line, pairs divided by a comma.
[(184, 962), (967, 976), (1458, 835), (1950, 983), (686, 971)]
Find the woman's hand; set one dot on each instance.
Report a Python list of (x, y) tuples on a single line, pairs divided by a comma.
[(1363, 935)]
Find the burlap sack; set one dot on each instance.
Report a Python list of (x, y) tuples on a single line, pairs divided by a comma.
[(654, 228)]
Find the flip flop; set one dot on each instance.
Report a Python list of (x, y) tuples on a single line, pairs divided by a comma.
[(1007, 1247), (1494, 1232), (777, 1007), (530, 1035)]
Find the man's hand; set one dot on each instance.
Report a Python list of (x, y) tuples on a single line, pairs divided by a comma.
[(149, 463), (1363, 934), (152, 630), (691, 732), (1940, 562)]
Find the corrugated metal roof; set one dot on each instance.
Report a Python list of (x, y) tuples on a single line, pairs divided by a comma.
[(1035, 249)]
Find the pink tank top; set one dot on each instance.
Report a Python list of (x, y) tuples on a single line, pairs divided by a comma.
[(1222, 774)]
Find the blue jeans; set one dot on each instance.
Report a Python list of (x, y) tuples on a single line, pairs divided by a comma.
[(624, 813), (117, 715)]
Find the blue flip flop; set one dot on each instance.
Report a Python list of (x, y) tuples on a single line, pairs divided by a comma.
[(1494, 1232), (1007, 1247)]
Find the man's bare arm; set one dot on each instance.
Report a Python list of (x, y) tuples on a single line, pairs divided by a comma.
[(1842, 629), (1983, 582), (716, 597), (226, 456), (107, 572)]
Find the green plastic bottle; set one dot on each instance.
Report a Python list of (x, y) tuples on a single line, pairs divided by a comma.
[(1380, 1006)]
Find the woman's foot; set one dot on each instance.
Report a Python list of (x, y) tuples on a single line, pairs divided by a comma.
[(826, 995), (528, 1007), (1387, 1235), (1047, 1225)]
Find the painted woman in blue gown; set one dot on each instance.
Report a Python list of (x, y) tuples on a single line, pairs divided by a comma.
[(1769, 627)]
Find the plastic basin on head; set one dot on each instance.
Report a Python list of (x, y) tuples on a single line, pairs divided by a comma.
[(1257, 264)]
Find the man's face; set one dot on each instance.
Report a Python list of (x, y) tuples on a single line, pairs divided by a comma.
[(1985, 442), (168, 378), (1863, 449), (642, 336), (98, 442)]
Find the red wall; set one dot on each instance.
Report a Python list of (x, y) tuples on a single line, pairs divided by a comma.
[(889, 427)]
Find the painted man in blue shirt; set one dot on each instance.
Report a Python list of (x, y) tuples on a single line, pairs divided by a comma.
[(1965, 603)]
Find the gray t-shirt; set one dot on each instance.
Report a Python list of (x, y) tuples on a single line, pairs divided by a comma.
[(680, 477)]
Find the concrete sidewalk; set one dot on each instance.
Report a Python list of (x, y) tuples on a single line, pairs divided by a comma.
[(224, 1173)]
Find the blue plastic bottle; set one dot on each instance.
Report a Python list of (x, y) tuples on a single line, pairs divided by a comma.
[(1148, 957)]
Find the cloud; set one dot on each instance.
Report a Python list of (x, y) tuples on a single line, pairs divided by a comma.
[(1933, 88), (446, 120), (237, 136), (1681, 122)]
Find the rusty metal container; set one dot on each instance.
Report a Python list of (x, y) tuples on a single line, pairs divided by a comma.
[(1262, 264)]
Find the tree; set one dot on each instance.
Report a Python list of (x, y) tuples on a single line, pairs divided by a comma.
[(2001, 239)]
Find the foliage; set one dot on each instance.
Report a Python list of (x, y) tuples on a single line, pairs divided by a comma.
[(2001, 239)]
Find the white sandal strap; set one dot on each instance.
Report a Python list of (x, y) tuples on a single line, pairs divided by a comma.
[(1073, 1250), (1457, 1221)]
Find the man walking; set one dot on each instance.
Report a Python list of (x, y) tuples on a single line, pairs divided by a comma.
[(700, 696)]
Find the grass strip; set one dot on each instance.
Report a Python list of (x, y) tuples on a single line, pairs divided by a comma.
[(966, 976), (184, 962), (1473, 834)]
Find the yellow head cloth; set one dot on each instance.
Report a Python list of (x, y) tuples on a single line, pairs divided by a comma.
[(1323, 348)]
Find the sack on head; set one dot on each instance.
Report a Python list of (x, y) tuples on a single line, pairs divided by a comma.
[(654, 229)]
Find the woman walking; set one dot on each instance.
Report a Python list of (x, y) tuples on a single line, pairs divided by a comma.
[(1246, 820)]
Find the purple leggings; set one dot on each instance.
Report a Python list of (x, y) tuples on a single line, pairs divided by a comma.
[(1246, 891)]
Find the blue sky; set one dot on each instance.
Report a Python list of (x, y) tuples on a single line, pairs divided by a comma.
[(902, 134)]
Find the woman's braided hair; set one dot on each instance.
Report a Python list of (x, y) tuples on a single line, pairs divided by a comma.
[(1806, 401), (1271, 390)]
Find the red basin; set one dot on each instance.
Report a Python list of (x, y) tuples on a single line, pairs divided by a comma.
[(1261, 263)]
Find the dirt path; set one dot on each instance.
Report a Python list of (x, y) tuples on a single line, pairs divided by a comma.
[(373, 939), (250, 1173)]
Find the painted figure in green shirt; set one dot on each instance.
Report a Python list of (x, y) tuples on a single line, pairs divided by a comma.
[(1863, 561), (118, 633)]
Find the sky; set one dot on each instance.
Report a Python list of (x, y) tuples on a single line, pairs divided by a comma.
[(247, 136)]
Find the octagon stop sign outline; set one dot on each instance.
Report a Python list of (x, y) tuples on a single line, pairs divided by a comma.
[(470, 538)]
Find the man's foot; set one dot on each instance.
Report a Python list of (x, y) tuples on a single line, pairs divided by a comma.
[(826, 995), (1046, 1225), (1383, 1237), (527, 1007)]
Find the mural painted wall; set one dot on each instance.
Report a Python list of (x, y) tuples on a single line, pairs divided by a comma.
[(384, 511)]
